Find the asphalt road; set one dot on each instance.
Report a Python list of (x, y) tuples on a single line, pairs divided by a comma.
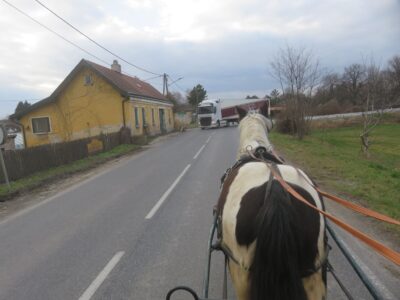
[(136, 230)]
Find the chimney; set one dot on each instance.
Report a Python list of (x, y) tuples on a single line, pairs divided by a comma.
[(116, 66)]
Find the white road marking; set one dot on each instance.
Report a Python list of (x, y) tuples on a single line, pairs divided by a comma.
[(102, 276), (198, 152), (166, 194), (202, 147), (209, 138)]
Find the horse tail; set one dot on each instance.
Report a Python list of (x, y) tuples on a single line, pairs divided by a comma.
[(274, 273)]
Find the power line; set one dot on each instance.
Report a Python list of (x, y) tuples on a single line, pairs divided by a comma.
[(54, 32), (174, 82), (96, 43), (68, 41), (60, 36), (151, 78)]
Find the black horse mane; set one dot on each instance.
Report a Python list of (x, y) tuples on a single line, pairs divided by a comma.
[(275, 272)]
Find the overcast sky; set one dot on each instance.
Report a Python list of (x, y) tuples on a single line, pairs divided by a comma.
[(225, 45)]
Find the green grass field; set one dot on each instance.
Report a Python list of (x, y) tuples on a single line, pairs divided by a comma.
[(39, 178), (334, 159)]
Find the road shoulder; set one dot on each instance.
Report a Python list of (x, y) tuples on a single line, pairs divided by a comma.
[(57, 185)]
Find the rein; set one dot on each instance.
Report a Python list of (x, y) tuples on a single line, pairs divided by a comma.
[(377, 246), (273, 159)]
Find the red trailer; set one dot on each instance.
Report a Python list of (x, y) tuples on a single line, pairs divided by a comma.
[(229, 113)]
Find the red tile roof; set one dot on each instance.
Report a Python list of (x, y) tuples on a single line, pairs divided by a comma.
[(128, 86)]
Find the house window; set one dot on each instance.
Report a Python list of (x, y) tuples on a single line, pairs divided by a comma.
[(88, 80), (152, 117), (169, 117), (144, 117), (41, 125), (136, 117)]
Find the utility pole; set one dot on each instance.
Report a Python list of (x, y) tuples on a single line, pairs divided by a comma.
[(3, 166), (165, 84), (3, 138)]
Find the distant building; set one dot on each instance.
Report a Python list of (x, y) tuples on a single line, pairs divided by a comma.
[(183, 116), (13, 130), (92, 100), (19, 141)]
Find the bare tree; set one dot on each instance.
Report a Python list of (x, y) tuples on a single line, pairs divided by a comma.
[(393, 78), (298, 72), (375, 94), (353, 78), (176, 99), (326, 91)]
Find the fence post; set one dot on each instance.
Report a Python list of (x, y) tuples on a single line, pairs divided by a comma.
[(3, 166)]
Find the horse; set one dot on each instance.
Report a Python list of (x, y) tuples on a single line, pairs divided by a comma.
[(276, 246)]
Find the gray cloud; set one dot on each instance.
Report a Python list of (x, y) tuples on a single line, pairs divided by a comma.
[(225, 45)]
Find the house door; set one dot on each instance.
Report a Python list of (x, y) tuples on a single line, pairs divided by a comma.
[(162, 120)]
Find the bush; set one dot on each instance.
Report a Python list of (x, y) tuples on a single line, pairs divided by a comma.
[(329, 108), (285, 125)]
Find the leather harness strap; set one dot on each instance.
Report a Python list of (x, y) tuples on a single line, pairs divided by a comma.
[(273, 159), (358, 208), (377, 246), (362, 210), (380, 248)]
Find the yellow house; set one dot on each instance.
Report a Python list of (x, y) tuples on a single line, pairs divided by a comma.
[(92, 100)]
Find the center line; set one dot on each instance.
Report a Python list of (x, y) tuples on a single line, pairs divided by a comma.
[(198, 152), (102, 276), (166, 194)]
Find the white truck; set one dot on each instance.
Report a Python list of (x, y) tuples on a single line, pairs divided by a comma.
[(215, 113), (209, 114)]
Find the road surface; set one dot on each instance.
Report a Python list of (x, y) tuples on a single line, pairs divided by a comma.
[(137, 229)]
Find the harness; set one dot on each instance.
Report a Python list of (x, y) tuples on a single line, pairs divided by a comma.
[(272, 159), (259, 153)]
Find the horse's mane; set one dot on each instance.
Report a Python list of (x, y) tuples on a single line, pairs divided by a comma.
[(254, 116), (253, 130)]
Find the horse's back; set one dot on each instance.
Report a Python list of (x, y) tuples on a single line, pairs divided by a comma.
[(244, 199), (249, 179)]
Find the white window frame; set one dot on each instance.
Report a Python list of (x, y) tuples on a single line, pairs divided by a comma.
[(41, 117)]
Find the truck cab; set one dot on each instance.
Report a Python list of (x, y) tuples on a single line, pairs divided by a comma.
[(209, 114)]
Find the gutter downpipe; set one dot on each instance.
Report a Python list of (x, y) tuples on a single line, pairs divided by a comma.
[(126, 99)]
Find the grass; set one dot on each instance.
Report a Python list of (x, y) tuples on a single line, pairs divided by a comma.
[(333, 157), (45, 176)]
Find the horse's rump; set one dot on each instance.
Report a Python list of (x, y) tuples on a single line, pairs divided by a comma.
[(275, 237)]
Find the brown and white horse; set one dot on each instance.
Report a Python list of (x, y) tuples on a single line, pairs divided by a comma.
[(276, 244)]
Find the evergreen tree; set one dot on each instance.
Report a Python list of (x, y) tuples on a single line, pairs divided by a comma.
[(21, 106), (251, 97), (274, 96), (196, 95)]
